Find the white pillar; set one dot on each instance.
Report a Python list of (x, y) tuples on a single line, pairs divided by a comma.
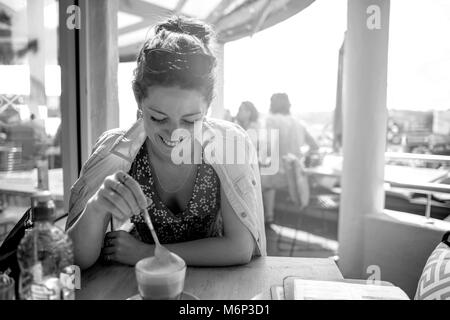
[(99, 55), (217, 105), (364, 127)]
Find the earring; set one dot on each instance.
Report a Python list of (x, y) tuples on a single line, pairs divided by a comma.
[(139, 114)]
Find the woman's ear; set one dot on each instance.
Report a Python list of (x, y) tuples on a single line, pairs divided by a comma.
[(139, 114)]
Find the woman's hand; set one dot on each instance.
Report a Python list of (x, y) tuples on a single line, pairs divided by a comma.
[(120, 246), (119, 195)]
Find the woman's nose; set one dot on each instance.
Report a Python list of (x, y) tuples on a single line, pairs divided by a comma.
[(171, 127)]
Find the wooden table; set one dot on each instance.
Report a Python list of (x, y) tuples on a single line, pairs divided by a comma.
[(118, 282)]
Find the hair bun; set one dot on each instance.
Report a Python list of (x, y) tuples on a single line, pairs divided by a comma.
[(188, 26)]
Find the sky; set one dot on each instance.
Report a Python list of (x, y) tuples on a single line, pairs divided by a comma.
[(299, 56), (419, 55)]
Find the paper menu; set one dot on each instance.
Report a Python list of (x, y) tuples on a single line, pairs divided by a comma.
[(335, 290), (277, 292)]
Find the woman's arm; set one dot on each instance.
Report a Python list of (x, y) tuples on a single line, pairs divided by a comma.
[(119, 196), (87, 236), (235, 247)]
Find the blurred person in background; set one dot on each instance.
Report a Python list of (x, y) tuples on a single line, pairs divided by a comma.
[(227, 115), (247, 116), (292, 136)]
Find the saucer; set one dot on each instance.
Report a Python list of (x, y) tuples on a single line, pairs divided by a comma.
[(184, 296)]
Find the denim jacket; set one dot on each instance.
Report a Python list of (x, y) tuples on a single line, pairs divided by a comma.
[(116, 149)]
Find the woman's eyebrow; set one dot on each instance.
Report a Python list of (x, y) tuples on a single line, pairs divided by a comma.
[(157, 111), (192, 114)]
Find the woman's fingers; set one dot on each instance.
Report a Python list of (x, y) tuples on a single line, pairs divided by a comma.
[(114, 203), (121, 196), (124, 192), (134, 187), (114, 234), (106, 251), (104, 205)]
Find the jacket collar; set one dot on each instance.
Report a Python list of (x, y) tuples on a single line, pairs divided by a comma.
[(129, 143)]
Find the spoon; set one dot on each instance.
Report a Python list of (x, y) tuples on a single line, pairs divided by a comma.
[(161, 252)]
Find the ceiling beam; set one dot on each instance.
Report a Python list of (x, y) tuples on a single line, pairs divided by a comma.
[(151, 13), (277, 14), (244, 15), (217, 13), (144, 9), (137, 26), (266, 10), (179, 6)]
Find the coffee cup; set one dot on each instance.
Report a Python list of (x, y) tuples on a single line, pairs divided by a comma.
[(159, 280)]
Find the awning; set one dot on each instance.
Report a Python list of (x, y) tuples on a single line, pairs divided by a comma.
[(232, 19)]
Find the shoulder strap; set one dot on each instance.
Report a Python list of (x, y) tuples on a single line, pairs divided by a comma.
[(446, 238)]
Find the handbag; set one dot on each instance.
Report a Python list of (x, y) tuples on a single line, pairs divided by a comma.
[(446, 238), (8, 249)]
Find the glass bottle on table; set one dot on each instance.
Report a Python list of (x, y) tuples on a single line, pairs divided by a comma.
[(45, 255)]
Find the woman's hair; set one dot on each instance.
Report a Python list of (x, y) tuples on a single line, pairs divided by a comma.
[(183, 37), (254, 114), (279, 103)]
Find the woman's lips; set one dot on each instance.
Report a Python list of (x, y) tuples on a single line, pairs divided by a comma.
[(170, 143)]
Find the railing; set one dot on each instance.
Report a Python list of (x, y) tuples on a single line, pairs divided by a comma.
[(426, 188), (416, 156)]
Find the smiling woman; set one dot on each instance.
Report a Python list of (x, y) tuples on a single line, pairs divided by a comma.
[(166, 109), (207, 213)]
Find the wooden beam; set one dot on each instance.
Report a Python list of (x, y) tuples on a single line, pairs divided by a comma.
[(144, 9), (244, 28), (179, 6), (217, 13), (243, 15), (285, 10), (150, 13), (264, 13), (137, 26)]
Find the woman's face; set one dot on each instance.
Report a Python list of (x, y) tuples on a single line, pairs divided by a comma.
[(166, 109)]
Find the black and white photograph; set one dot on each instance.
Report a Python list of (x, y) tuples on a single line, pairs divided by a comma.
[(241, 151)]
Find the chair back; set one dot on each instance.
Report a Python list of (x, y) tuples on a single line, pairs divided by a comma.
[(298, 183)]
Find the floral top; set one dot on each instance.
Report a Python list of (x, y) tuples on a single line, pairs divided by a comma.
[(195, 222)]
